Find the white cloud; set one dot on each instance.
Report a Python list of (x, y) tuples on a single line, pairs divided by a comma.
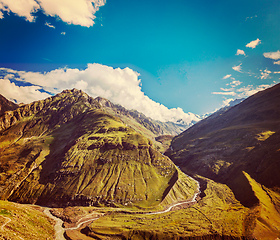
[(277, 72), (227, 89), (278, 63), (227, 76), (49, 25), (82, 85), (63, 33), (254, 43), (23, 8), (265, 74), (240, 52), (1, 14), (21, 94), (227, 101), (244, 92), (224, 93), (235, 83), (121, 86), (272, 55), (70, 11), (250, 17), (250, 90), (237, 68)]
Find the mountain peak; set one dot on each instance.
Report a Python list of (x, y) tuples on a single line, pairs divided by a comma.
[(104, 102), (6, 105)]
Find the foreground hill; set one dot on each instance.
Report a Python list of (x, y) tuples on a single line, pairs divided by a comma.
[(19, 221), (237, 147), (67, 150)]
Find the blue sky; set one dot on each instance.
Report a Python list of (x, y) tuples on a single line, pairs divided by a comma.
[(178, 56)]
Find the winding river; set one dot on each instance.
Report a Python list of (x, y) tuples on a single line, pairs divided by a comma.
[(193, 200), (59, 230)]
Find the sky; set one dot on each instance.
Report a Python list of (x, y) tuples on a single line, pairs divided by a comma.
[(170, 60)]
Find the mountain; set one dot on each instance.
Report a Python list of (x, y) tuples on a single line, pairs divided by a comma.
[(134, 118), (6, 105), (68, 150), (240, 148), (149, 127)]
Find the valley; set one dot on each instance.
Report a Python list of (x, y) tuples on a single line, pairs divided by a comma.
[(84, 168), (72, 230)]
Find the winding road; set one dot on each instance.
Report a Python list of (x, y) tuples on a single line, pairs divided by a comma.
[(8, 220), (59, 230), (193, 200)]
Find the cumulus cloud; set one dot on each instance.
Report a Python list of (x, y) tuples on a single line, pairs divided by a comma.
[(121, 86), (70, 11), (240, 52), (254, 43), (235, 83), (23, 8), (21, 94), (227, 76), (237, 68), (265, 74), (278, 63), (272, 55), (63, 33)]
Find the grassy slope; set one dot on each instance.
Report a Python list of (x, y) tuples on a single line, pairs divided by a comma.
[(80, 155), (148, 127), (217, 214), (26, 222), (267, 225)]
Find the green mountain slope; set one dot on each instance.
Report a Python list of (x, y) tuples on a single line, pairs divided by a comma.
[(150, 128), (243, 138), (18, 221), (66, 150)]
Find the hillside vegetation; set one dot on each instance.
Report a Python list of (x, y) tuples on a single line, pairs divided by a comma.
[(66, 150), (18, 221), (217, 216), (244, 138), (240, 148)]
